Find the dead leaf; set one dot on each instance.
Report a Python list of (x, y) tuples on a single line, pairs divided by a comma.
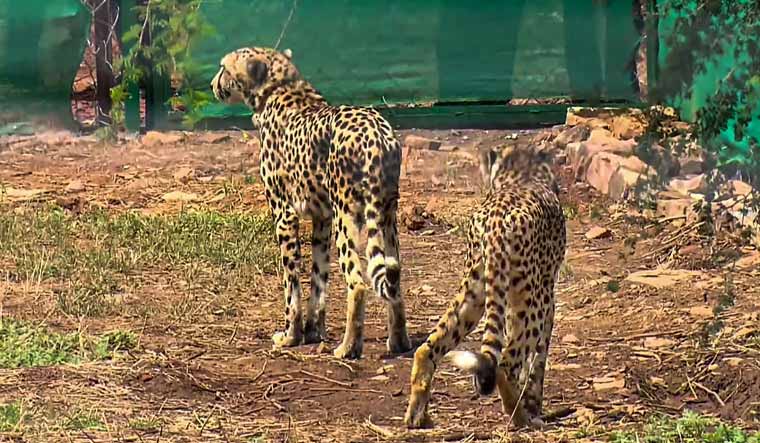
[(565, 366), (745, 332), (733, 361), (75, 186), (606, 383), (181, 196), (701, 311), (657, 342), (598, 232), (570, 338)]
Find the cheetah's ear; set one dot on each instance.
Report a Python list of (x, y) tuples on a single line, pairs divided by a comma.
[(257, 71), (288, 54), (488, 159)]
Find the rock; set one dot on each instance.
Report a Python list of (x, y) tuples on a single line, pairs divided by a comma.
[(24, 194), (75, 186), (600, 170), (662, 278), (184, 175), (572, 134), (637, 165), (628, 126), (155, 138), (622, 181), (739, 188), (580, 156), (598, 232), (751, 261), (181, 197), (590, 117), (691, 165), (669, 208), (56, 138), (417, 142), (688, 185), (606, 384), (412, 218), (213, 137)]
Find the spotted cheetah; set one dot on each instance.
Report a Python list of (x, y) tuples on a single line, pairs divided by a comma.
[(339, 166), (516, 243)]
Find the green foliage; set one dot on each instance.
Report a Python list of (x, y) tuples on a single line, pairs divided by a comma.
[(690, 428), (11, 416), (26, 345), (704, 31), (175, 28)]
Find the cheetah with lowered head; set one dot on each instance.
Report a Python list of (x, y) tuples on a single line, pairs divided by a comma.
[(516, 244), (338, 165)]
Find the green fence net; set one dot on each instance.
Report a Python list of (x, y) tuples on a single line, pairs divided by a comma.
[(373, 52), (41, 47), (400, 52)]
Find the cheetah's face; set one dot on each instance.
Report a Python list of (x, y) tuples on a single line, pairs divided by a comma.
[(245, 71)]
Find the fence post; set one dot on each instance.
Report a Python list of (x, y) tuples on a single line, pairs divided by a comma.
[(653, 50)]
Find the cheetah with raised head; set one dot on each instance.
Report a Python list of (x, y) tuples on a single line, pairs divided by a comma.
[(338, 165), (516, 244)]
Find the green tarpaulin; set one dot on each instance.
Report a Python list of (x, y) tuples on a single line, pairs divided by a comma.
[(41, 47), (400, 51)]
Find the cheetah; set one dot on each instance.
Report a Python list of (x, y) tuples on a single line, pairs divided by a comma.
[(338, 166), (516, 244)]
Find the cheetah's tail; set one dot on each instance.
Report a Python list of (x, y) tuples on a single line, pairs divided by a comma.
[(480, 365), (383, 270)]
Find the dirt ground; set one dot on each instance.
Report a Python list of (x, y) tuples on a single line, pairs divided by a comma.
[(622, 351)]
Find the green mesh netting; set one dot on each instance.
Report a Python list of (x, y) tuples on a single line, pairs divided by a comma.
[(41, 47), (401, 51)]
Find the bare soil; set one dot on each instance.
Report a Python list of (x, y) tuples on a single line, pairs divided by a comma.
[(621, 352)]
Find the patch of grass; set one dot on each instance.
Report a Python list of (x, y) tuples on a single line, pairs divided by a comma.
[(95, 253), (570, 209), (566, 270), (24, 345), (11, 416), (115, 341), (613, 286), (690, 428), (83, 420), (150, 424)]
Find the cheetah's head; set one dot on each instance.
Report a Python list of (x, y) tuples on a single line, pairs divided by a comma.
[(246, 72), (514, 164)]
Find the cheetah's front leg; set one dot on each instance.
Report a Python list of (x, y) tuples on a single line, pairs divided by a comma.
[(290, 252), (458, 321)]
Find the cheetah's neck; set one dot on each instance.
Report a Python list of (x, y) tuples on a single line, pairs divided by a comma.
[(290, 96)]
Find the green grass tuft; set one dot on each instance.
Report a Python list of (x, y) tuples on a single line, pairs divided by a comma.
[(24, 345), (11, 416), (690, 428)]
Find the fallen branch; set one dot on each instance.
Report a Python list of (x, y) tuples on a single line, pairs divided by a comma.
[(327, 379), (424, 435)]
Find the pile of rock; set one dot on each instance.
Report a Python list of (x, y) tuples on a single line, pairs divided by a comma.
[(602, 148)]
